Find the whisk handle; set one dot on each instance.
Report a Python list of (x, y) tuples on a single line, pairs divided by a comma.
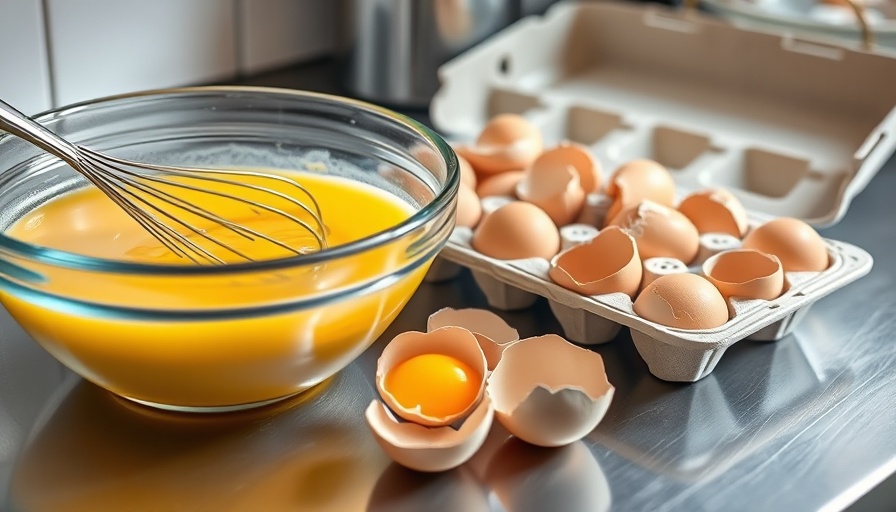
[(22, 126)]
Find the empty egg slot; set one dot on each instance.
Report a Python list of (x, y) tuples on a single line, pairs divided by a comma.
[(676, 149), (763, 172), (589, 126), (503, 101)]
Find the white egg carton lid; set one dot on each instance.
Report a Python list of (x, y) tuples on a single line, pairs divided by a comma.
[(791, 127)]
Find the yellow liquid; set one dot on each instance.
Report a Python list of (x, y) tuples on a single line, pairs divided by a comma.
[(215, 362)]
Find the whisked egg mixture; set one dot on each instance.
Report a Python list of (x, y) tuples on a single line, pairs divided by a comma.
[(225, 360)]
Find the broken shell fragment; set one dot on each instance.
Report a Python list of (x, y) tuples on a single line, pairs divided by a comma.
[(640, 180), (429, 448), (715, 211), (557, 191), (659, 231), (609, 263), (549, 392), (745, 273), (508, 142), (492, 332)]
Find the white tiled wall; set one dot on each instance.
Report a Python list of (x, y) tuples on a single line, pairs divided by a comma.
[(24, 72), (93, 48)]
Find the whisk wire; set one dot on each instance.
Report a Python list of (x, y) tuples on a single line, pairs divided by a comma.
[(132, 187)]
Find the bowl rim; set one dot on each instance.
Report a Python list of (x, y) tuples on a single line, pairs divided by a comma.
[(444, 198)]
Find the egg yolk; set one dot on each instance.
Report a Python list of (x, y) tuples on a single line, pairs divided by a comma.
[(440, 385)]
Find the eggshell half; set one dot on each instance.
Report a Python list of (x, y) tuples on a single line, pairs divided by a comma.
[(456, 342), (549, 392), (659, 231), (578, 157), (555, 190), (507, 142), (682, 301), (638, 180), (517, 230), (492, 332), (503, 184), (609, 263), (429, 448), (745, 273), (715, 211), (799, 247)]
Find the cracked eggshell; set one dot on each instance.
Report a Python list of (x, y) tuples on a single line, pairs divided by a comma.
[(556, 190), (640, 180), (609, 263), (682, 301), (456, 342), (469, 209), (492, 332), (579, 158), (660, 231), (745, 273), (503, 184), (429, 449), (799, 247), (507, 142), (715, 211), (517, 230), (549, 392)]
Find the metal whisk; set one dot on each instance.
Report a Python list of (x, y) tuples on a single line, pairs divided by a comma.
[(147, 193)]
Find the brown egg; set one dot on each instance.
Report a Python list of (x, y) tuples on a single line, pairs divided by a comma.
[(715, 211), (503, 184), (745, 273), (507, 142), (638, 180), (579, 158), (517, 230), (556, 190), (682, 301), (660, 231), (799, 247), (467, 174), (469, 210), (609, 263)]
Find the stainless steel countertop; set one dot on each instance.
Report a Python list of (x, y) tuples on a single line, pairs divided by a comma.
[(806, 423)]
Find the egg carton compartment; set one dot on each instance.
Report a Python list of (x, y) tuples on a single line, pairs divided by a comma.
[(671, 354), (791, 127)]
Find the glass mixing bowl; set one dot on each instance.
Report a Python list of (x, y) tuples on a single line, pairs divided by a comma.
[(213, 338)]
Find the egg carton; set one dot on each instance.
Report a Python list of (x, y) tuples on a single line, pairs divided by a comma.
[(782, 126), (791, 127), (671, 354)]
